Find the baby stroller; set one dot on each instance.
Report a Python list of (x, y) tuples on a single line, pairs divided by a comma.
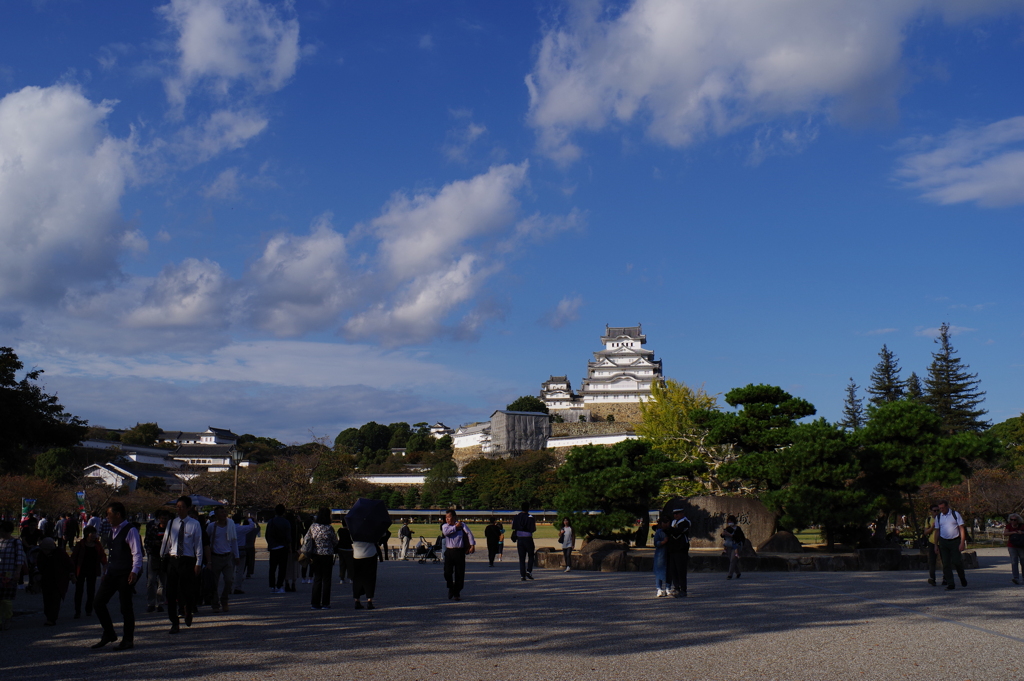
[(432, 551)]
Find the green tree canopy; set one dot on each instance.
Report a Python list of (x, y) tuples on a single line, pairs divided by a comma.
[(621, 481), (528, 403), (763, 424), (885, 385), (142, 434), (813, 481), (441, 478), (951, 391), (904, 445), (56, 465), (914, 390), (1010, 434), (669, 427), (33, 420)]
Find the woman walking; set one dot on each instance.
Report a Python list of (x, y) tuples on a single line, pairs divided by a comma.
[(568, 541), (364, 572), (88, 559), (1014, 533), (324, 542)]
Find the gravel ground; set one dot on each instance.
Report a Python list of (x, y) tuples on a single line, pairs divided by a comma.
[(580, 625)]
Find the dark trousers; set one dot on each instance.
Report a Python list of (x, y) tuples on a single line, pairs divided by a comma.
[(567, 555), (933, 558), (677, 564), (321, 567), (345, 564), (180, 590), (492, 551), (455, 570), (949, 551), (250, 560), (526, 551), (51, 602), (110, 585), (86, 583), (278, 566), (364, 577)]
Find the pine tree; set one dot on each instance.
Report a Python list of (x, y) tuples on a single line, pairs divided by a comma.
[(886, 385), (853, 409), (952, 392), (914, 392)]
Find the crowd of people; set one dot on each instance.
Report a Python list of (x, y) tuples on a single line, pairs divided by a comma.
[(194, 560)]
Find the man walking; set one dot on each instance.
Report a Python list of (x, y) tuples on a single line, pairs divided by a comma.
[(279, 538), (458, 542), (124, 567), (242, 532), (949, 525), (678, 552), (223, 555), (523, 527), (156, 572), (182, 550), (405, 536), (492, 533)]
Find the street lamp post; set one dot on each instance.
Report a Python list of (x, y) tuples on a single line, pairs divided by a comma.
[(237, 456)]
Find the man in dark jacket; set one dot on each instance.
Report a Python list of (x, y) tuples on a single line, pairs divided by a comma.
[(279, 541), (492, 533), (678, 551), (523, 527)]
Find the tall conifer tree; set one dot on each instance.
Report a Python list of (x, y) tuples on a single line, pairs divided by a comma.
[(886, 385), (853, 409), (914, 391), (952, 392)]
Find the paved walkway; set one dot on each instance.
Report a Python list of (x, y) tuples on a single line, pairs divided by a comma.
[(580, 625)]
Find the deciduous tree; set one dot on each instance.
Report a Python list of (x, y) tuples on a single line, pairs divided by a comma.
[(528, 403)]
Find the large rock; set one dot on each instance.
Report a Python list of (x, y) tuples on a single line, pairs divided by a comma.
[(602, 554), (781, 542), (707, 518)]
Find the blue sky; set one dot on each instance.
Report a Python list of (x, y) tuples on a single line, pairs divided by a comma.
[(290, 218)]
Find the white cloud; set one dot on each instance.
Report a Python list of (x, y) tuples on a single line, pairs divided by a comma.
[(461, 139), (426, 42), (62, 176), (223, 130), (880, 332), (688, 69), (983, 164), (423, 233), (300, 283), (567, 310), (193, 294), (933, 332), (222, 43), (420, 309), (225, 186)]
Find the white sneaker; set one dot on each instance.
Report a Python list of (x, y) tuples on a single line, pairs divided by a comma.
[(660, 593)]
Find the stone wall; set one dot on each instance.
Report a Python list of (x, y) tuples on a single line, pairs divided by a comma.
[(592, 428), (464, 455), (707, 518), (627, 412)]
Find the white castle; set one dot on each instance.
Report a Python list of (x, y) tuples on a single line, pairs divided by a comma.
[(618, 379)]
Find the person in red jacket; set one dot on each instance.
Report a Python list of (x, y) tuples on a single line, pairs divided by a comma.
[(88, 559)]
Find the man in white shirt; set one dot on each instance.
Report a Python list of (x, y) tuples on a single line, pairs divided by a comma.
[(458, 541), (224, 555), (952, 540), (183, 553)]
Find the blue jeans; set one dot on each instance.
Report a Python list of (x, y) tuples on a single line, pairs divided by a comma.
[(1016, 557)]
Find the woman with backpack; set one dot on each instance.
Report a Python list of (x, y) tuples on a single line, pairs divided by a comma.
[(1014, 533), (321, 541)]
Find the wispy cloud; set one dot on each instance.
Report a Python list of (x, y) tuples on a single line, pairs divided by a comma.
[(933, 332), (982, 164), (566, 311), (879, 332)]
